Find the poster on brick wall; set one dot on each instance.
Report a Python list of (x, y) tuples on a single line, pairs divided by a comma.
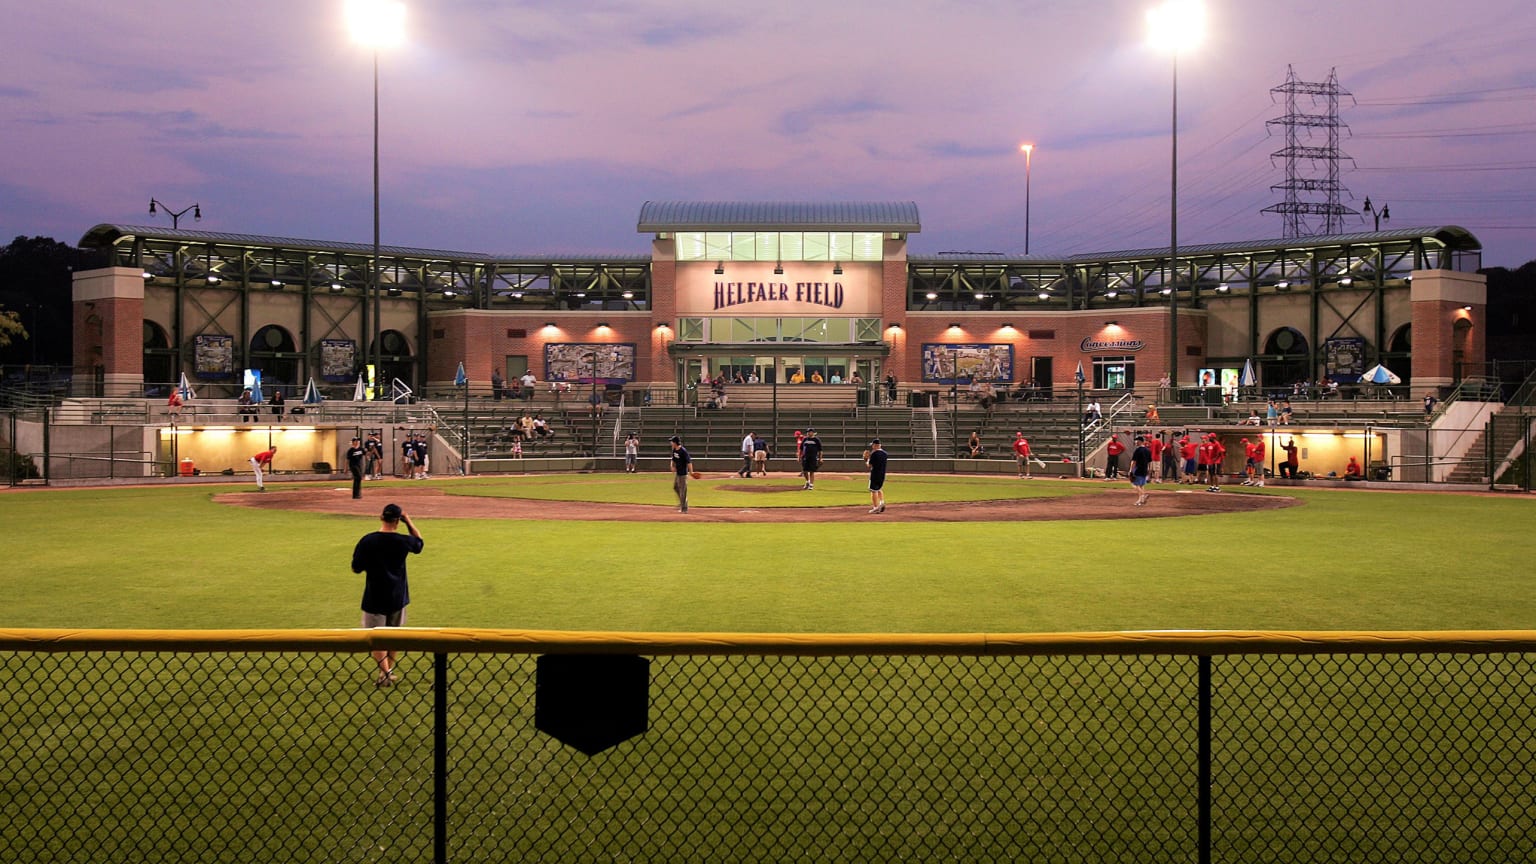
[(945, 363), (573, 362), (1344, 358), (337, 357), (213, 355)]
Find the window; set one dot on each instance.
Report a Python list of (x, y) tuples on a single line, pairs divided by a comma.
[(841, 246), (1114, 373), (866, 329), (690, 329)]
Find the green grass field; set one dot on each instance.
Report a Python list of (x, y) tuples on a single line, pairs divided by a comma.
[(1346, 559), (295, 756)]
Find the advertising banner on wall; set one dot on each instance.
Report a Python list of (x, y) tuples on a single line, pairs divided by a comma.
[(608, 362), (752, 289), (1344, 358), (945, 363), (336, 359), (213, 356)]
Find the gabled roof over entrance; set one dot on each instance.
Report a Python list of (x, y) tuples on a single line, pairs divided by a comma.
[(659, 216)]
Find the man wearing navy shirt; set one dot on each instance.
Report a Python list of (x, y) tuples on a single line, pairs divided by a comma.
[(381, 557), (810, 457), (682, 465)]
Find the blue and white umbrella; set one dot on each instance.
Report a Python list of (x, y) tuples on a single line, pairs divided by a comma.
[(256, 396), (1078, 375), (312, 393), (1247, 379), (1380, 374), (459, 378), (184, 387), (360, 392)]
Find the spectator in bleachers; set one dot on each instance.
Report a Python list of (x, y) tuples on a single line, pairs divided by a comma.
[(1286, 412), (277, 403), (973, 446), (498, 384), (247, 405), (1093, 413), (1271, 413)]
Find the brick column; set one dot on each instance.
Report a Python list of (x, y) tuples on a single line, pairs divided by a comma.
[(109, 330), (1443, 324), (893, 310), (663, 311)]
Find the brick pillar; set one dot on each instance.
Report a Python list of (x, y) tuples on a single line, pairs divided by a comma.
[(1443, 324), (893, 309), (663, 311), (109, 330)]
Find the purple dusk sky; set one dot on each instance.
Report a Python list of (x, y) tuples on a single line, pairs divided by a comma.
[(539, 128)]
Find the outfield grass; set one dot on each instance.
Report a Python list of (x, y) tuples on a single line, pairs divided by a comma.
[(1346, 559), (294, 756)]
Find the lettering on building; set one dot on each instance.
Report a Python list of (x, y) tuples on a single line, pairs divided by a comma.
[(828, 294)]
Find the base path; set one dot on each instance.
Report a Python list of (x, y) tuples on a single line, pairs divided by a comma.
[(1116, 503)]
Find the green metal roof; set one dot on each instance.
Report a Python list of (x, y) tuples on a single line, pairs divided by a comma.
[(657, 216)]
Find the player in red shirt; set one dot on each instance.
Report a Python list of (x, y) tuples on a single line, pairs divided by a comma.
[(1112, 464), (1155, 444), (1217, 456), (1021, 452), (263, 460), (1190, 452)]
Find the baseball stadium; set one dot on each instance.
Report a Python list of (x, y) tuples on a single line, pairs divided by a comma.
[(1311, 642)]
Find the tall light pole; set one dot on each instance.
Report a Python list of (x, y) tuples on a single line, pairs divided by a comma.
[(1172, 27), (375, 24), (1029, 150), (197, 211), (1384, 213)]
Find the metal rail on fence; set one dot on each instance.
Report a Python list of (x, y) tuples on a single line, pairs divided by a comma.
[(540, 746)]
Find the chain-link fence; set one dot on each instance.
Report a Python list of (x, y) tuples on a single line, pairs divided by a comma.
[(1136, 748), (1511, 434)]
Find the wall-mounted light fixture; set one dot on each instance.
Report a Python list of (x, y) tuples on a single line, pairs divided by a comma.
[(1007, 325), (1466, 308), (1346, 280), (628, 295), (954, 325), (213, 279), (720, 268), (148, 275), (1044, 295), (1166, 291), (1282, 285), (663, 326), (930, 295), (1223, 288), (837, 268), (549, 325), (1111, 294), (1111, 323), (778, 268), (602, 325), (337, 288), (275, 285), (896, 327)]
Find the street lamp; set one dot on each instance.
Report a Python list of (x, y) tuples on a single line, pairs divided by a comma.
[(1384, 213), (1029, 150), (1172, 27), (197, 212), (375, 24)]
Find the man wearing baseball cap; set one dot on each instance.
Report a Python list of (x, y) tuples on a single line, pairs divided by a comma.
[(381, 557), (355, 457), (682, 466), (810, 457)]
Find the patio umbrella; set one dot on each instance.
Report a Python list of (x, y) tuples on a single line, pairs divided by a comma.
[(256, 396), (1380, 374), (459, 378), (1247, 379), (360, 392), (184, 387), (312, 393)]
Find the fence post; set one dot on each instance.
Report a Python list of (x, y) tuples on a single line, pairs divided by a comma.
[(1204, 758), (440, 758)]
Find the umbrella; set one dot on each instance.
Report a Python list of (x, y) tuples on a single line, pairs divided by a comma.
[(1078, 375), (312, 393), (184, 387), (1247, 379), (256, 397), (360, 392), (459, 378), (1380, 374)]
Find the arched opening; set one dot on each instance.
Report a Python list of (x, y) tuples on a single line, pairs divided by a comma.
[(159, 360), (1399, 354), (396, 362), (1461, 345), (272, 351), (1288, 358)]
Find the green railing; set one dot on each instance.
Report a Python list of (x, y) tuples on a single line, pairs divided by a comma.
[(522, 746)]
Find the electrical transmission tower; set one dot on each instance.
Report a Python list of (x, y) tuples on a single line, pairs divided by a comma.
[(1311, 172)]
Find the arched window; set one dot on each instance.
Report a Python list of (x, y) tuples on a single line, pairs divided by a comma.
[(397, 360), (1288, 358), (160, 371), (273, 352)]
